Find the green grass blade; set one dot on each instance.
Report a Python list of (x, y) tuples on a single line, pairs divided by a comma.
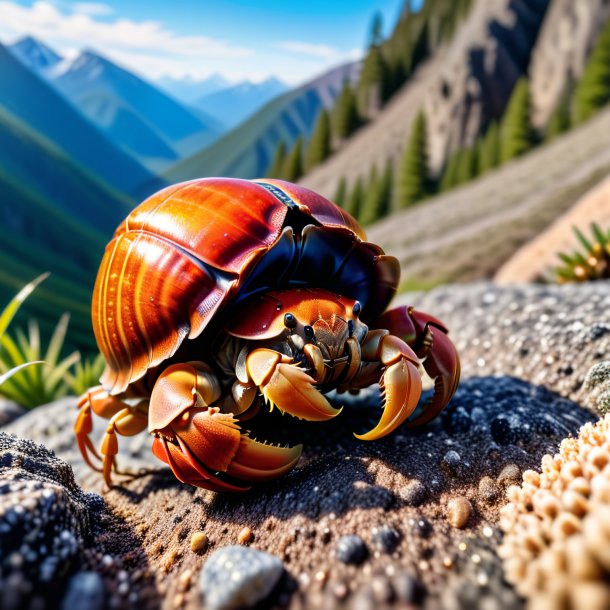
[(13, 307), (6, 376), (588, 246), (57, 340)]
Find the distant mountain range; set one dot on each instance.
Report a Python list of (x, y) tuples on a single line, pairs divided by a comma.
[(247, 150), (233, 105), (143, 120), (189, 90)]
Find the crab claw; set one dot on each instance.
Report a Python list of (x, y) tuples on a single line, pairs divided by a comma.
[(202, 445), (401, 384), (428, 338), (287, 386)]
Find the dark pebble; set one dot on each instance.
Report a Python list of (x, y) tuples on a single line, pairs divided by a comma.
[(407, 589), (85, 591), (351, 549), (457, 421), (385, 538), (451, 463), (421, 527), (507, 429)]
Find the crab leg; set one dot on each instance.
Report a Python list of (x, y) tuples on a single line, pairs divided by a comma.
[(199, 442), (428, 338), (287, 386), (400, 381), (101, 403)]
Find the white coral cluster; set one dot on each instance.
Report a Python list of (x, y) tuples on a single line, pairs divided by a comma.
[(556, 548)]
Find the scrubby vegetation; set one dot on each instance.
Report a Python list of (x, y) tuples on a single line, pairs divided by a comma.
[(54, 375), (591, 263)]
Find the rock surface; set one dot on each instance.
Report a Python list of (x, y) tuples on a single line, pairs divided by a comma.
[(564, 43), (525, 351)]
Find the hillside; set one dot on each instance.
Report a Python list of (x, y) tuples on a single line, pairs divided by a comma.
[(246, 151), (49, 200), (36, 103), (461, 88), (136, 115), (469, 232)]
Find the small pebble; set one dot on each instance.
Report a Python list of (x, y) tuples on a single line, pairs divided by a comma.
[(351, 549), (459, 510), (413, 493), (488, 490), (238, 577), (451, 463), (199, 542), (86, 591), (510, 475), (385, 538), (245, 536)]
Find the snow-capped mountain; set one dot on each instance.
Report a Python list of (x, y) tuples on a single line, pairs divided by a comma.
[(35, 55)]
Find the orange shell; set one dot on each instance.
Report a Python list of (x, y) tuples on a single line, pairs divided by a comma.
[(180, 254)]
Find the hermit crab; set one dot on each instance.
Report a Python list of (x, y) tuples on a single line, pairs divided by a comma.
[(218, 298)]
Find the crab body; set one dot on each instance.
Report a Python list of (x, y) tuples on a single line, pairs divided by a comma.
[(219, 297)]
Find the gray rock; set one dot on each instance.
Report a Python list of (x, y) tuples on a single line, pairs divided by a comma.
[(85, 591), (563, 46), (413, 493), (9, 411), (238, 577), (351, 549), (45, 522)]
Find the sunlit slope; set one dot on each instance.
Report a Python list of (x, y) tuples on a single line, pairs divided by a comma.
[(247, 151), (469, 232)]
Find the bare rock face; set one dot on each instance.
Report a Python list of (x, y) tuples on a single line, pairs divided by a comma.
[(489, 54), (564, 44)]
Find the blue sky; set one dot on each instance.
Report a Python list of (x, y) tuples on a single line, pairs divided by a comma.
[(241, 40)]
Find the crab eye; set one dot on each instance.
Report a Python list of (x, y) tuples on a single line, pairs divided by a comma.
[(289, 320), (357, 308), (308, 330)]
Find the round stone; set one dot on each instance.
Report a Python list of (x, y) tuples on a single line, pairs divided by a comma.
[(238, 577), (351, 549)]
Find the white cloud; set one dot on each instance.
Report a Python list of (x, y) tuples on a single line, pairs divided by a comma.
[(323, 51), (93, 9), (146, 46), (153, 50)]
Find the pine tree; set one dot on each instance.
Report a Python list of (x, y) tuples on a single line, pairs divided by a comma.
[(354, 202), (467, 165), (374, 83), (517, 135), (387, 183), (370, 201), (413, 178), (345, 118), (593, 90), (319, 145), (341, 192), (490, 149), (449, 177), (275, 169), (293, 165)]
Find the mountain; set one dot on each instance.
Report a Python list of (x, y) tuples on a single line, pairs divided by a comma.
[(247, 150), (151, 125), (564, 44), (37, 104), (234, 104), (189, 89), (461, 88), (35, 55), (54, 216)]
